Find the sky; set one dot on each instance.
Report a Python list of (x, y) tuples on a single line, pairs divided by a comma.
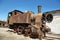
[(8, 5)]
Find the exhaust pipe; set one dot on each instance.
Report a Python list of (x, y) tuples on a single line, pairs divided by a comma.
[(39, 9)]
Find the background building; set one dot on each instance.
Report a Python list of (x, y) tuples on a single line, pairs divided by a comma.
[(2, 23), (55, 24)]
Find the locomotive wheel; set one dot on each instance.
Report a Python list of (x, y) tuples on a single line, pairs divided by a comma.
[(34, 35), (14, 30), (26, 34), (19, 31), (40, 37)]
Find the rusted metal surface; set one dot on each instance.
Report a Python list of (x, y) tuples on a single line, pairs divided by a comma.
[(26, 23), (19, 18)]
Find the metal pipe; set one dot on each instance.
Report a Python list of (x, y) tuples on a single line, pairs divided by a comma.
[(39, 9)]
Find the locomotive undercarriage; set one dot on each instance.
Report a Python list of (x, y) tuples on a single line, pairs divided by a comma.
[(23, 28)]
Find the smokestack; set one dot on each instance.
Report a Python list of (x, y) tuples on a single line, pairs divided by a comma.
[(39, 9)]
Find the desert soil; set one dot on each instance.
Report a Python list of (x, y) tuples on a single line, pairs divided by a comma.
[(7, 35)]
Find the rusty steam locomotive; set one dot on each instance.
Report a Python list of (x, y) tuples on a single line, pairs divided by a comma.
[(27, 23)]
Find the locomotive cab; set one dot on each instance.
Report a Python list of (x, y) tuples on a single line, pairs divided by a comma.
[(19, 21)]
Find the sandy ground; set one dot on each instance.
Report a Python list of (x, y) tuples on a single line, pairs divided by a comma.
[(7, 35)]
